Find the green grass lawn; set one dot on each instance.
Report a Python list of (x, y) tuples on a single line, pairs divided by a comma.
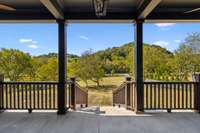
[(102, 95)]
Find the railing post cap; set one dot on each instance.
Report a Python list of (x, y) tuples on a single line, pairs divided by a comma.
[(73, 78), (128, 78)]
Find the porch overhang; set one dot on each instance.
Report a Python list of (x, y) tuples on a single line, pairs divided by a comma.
[(117, 11)]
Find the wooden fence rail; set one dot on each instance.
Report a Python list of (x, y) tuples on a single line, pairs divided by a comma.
[(29, 95), (79, 96), (171, 95), (119, 95), (124, 94), (160, 95)]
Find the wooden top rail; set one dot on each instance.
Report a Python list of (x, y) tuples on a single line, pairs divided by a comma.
[(22, 82), (34, 82), (78, 86), (170, 82), (122, 86), (131, 82)]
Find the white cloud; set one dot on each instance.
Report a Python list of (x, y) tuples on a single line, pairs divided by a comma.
[(29, 42), (84, 37), (33, 46), (164, 24), (161, 43), (23, 40), (177, 41)]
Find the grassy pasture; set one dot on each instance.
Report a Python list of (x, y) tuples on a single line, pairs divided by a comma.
[(102, 95)]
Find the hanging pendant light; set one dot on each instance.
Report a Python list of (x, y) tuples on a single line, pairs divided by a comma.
[(100, 7)]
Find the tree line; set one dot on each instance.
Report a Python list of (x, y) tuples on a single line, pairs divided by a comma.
[(158, 63)]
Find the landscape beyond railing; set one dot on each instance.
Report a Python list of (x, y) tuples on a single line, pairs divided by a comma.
[(160, 95)]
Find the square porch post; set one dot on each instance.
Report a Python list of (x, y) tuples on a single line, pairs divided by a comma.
[(138, 66), (62, 65)]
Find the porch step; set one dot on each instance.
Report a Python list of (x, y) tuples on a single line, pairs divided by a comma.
[(107, 111)]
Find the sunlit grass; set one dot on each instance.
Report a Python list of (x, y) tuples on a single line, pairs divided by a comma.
[(101, 96)]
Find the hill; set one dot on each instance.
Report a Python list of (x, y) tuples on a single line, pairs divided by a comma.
[(121, 59)]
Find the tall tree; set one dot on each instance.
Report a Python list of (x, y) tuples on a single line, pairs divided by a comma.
[(14, 64), (49, 71)]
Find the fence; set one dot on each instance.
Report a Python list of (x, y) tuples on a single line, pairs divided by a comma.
[(79, 96), (171, 95), (124, 94), (119, 95), (160, 95), (29, 95)]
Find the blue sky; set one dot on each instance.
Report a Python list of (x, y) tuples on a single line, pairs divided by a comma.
[(42, 38)]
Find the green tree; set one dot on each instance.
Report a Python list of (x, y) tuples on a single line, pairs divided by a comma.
[(49, 71), (96, 70), (156, 62), (183, 62), (14, 64), (89, 67), (193, 42)]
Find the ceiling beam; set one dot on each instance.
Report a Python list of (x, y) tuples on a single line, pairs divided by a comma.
[(146, 7), (53, 7)]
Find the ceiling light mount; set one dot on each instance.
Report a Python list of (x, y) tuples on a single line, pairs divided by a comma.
[(100, 7)]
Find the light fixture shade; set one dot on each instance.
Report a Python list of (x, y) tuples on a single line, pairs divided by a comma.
[(100, 7)]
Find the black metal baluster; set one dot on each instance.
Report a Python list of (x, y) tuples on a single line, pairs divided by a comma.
[(151, 95), (163, 96), (14, 93), (191, 88), (6, 96), (178, 88), (171, 95), (46, 87), (175, 94), (50, 87), (155, 95), (26, 96), (10, 95), (30, 96), (34, 96), (158, 95), (186, 91), (182, 87), (54, 102), (167, 97), (18, 96), (38, 96)]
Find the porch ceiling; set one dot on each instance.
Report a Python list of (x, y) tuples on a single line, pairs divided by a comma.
[(164, 10)]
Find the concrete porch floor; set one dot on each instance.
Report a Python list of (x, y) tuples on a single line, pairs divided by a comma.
[(87, 122)]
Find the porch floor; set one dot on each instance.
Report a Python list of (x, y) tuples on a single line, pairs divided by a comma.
[(88, 122)]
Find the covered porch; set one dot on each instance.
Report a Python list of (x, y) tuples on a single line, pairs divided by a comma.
[(96, 11), (75, 122)]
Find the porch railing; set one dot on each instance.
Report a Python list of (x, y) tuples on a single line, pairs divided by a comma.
[(160, 95), (29, 95), (124, 94), (79, 96), (171, 95), (119, 95)]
